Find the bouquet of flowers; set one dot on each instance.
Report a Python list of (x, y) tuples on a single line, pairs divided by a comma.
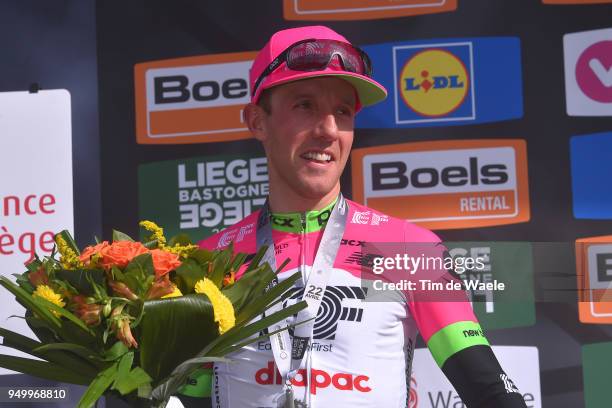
[(134, 319)]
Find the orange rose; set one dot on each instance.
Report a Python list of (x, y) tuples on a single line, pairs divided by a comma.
[(120, 253), (90, 251), (164, 262)]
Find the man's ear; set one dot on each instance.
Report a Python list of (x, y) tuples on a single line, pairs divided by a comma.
[(254, 116)]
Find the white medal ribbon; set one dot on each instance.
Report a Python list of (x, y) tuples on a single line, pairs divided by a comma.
[(290, 354)]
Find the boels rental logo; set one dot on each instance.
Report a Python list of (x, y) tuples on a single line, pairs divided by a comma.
[(362, 9), (445, 184), (594, 273), (446, 82), (192, 100)]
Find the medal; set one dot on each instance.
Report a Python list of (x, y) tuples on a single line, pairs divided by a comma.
[(286, 400)]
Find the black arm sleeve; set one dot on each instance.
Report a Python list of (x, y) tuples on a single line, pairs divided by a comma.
[(480, 381)]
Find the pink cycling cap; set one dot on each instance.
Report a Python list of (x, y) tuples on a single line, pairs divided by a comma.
[(369, 91)]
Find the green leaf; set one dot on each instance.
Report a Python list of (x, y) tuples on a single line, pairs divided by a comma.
[(98, 386), (120, 236), (257, 259), (243, 333), (136, 379), (237, 261), (81, 279), (42, 369), (115, 352), (251, 340), (68, 355), (65, 313), (23, 281), (203, 256), (67, 237), (220, 267), (136, 274), (41, 329), (180, 239), (124, 368), (33, 266), (117, 274), (73, 348), (187, 274), (248, 287), (72, 333), (255, 307), (28, 301), (174, 330), (62, 356), (172, 383), (18, 341)]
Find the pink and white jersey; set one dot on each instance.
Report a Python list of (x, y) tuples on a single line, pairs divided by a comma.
[(361, 351)]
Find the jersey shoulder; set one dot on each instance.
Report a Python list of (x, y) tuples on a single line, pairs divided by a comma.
[(381, 227), (242, 234)]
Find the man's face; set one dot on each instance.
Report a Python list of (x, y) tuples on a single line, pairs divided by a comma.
[(307, 136)]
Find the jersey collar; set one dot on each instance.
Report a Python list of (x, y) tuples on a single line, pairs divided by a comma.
[(298, 222)]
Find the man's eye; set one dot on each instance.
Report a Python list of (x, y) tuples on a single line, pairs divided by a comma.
[(345, 112), (304, 104)]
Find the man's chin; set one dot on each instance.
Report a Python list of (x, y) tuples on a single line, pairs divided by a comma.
[(316, 191)]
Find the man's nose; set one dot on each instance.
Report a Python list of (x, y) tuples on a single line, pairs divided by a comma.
[(327, 127)]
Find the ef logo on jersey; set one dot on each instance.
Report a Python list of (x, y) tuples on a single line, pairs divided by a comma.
[(434, 81)]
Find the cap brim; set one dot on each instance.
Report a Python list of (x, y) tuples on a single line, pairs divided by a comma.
[(369, 91)]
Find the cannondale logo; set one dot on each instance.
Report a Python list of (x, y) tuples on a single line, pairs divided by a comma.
[(332, 311)]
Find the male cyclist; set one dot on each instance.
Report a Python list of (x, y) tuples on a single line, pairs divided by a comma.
[(307, 86)]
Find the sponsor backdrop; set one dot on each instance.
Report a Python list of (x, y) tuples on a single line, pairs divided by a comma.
[(496, 134), (36, 202), (494, 130)]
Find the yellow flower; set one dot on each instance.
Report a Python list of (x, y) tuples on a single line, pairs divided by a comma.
[(222, 306), (175, 293), (45, 292), (68, 258), (183, 251), (157, 232)]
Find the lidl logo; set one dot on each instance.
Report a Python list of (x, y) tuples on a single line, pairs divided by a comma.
[(192, 100), (596, 373), (591, 173), (446, 82), (434, 83), (445, 184), (202, 195), (588, 72), (510, 263), (594, 271), (362, 9)]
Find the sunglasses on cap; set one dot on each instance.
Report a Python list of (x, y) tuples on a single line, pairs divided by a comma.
[(316, 54)]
